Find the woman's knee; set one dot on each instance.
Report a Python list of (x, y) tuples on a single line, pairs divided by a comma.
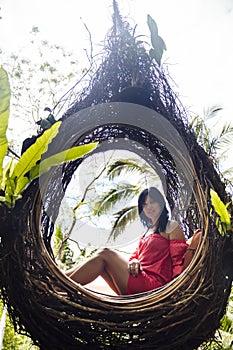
[(107, 254)]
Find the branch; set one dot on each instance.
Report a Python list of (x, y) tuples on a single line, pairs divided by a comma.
[(91, 61), (11, 151), (67, 235)]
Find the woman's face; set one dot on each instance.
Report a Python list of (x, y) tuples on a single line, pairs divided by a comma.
[(151, 209)]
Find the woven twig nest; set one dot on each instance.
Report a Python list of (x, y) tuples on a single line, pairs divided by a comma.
[(180, 315)]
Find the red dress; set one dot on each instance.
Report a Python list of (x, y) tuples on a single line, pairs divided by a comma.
[(160, 259)]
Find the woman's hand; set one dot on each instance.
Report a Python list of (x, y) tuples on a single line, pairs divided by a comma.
[(134, 267)]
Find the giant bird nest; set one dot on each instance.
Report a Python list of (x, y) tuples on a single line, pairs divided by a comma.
[(181, 315)]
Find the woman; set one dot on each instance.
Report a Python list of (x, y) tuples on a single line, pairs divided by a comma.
[(157, 260)]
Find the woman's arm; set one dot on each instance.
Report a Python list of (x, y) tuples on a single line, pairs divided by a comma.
[(174, 231), (178, 247)]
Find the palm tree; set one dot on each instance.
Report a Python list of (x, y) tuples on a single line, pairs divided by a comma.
[(124, 193), (214, 138)]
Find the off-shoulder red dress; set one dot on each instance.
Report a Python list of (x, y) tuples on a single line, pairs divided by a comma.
[(160, 259)]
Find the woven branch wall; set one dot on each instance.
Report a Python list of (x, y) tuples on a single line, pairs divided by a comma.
[(182, 314)]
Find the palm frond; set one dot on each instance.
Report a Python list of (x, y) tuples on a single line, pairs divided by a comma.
[(123, 218), (225, 136), (119, 193), (212, 111), (116, 168), (211, 143), (228, 173), (198, 126)]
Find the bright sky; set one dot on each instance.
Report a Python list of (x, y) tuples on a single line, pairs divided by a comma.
[(198, 35)]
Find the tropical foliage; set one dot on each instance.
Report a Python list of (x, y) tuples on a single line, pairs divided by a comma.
[(12, 340), (138, 174), (40, 75), (5, 94), (224, 335), (224, 218), (213, 136), (118, 185), (15, 176), (158, 44)]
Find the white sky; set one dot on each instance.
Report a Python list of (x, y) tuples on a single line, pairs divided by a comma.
[(198, 35)]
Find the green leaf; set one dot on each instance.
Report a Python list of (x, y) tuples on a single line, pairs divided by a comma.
[(119, 166), (108, 200), (7, 172), (8, 183), (21, 184), (5, 95), (153, 30), (62, 157), (158, 44), (221, 209), (123, 218), (32, 155)]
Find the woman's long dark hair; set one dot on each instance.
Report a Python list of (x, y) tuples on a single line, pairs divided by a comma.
[(156, 196)]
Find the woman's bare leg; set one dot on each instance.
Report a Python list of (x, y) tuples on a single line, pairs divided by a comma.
[(111, 283), (108, 264)]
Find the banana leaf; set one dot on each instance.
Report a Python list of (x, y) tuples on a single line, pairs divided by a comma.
[(7, 172), (5, 95), (62, 157), (57, 159), (221, 209), (31, 156)]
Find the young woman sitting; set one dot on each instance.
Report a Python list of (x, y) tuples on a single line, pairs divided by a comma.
[(157, 260)]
